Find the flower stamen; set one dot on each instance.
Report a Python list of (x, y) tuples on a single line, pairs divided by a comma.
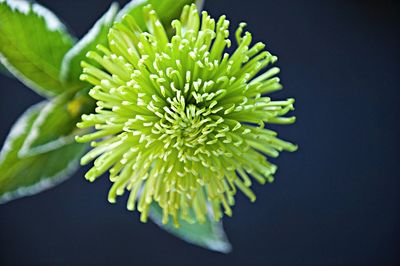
[(179, 122)]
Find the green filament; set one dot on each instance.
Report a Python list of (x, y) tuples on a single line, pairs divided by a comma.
[(180, 122)]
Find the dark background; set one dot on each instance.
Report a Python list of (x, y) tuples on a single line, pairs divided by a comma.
[(335, 201)]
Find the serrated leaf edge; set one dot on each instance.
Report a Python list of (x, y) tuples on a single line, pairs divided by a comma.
[(52, 23), (88, 37), (45, 183), (26, 149)]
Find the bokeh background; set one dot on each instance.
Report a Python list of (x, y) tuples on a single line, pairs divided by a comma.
[(335, 201)]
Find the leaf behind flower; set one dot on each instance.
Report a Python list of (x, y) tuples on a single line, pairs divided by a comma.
[(208, 235), (29, 175), (33, 42)]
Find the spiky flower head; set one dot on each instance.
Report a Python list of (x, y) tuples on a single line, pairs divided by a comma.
[(179, 122)]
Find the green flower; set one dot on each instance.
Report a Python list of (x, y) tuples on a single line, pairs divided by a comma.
[(178, 121)]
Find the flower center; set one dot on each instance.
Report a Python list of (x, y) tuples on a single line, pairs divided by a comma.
[(185, 124)]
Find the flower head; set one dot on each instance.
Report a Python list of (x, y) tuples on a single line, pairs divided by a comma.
[(179, 122)]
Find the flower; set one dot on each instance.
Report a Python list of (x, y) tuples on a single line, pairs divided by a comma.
[(179, 122)]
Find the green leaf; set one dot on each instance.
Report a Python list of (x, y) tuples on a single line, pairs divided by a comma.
[(55, 125), (208, 235), (167, 10), (26, 176), (32, 44), (70, 68)]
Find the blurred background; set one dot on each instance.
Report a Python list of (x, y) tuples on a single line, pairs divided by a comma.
[(335, 201)]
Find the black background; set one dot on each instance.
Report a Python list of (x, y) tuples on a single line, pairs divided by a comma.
[(335, 201)]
